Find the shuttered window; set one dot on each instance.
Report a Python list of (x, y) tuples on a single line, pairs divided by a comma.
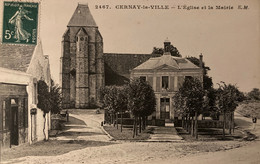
[(158, 84), (171, 83), (150, 81)]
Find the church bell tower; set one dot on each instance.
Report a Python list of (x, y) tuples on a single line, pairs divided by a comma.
[(82, 63)]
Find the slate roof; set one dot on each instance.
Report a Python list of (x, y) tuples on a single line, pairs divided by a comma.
[(118, 66), (123, 63), (82, 17), (16, 57), (166, 59)]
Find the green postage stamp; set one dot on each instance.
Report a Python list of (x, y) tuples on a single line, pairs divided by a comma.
[(20, 21)]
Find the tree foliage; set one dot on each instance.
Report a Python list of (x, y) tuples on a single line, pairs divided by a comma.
[(173, 50), (43, 97), (254, 94), (55, 98), (226, 101), (189, 101), (190, 97), (49, 99), (114, 98), (207, 81), (227, 97), (141, 98)]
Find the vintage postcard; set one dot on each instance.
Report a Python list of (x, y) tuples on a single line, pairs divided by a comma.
[(129, 81)]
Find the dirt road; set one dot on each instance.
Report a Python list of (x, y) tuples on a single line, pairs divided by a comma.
[(98, 148)]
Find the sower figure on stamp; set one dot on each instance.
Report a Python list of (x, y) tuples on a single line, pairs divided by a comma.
[(17, 20), (254, 120)]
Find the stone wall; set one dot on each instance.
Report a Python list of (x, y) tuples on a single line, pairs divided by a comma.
[(82, 67)]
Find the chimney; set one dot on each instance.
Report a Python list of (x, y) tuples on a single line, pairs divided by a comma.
[(167, 44), (201, 60)]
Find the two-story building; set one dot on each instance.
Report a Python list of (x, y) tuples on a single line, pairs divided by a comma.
[(166, 74)]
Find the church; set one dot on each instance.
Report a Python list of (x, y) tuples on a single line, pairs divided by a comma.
[(85, 68)]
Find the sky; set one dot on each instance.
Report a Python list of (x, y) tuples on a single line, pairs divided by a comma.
[(228, 39)]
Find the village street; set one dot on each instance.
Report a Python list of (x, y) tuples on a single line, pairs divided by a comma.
[(95, 147)]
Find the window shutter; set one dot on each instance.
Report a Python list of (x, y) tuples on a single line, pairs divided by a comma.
[(171, 83), (150, 81), (180, 81), (158, 86)]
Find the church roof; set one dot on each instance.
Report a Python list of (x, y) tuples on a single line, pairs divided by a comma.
[(16, 57), (82, 17), (166, 60)]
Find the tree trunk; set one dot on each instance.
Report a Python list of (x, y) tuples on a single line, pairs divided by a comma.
[(230, 123), (196, 125), (134, 128), (140, 125), (117, 120), (224, 124), (111, 119), (233, 121), (182, 122), (192, 126), (189, 125), (143, 122), (121, 121), (44, 126)]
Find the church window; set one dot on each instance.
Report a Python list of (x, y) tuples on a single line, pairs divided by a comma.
[(81, 38), (165, 82)]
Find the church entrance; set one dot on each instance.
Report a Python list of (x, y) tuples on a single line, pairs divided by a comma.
[(165, 108)]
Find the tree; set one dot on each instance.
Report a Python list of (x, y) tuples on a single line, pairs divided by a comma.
[(173, 50), (207, 81), (43, 100), (49, 99), (141, 101), (190, 99), (55, 98), (226, 102), (115, 100), (254, 94)]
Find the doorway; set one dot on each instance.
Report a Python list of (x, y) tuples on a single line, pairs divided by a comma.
[(165, 108), (14, 122)]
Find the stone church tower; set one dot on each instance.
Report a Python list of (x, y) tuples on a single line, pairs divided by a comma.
[(82, 63)]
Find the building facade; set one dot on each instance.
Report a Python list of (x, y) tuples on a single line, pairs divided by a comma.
[(166, 75), (20, 68)]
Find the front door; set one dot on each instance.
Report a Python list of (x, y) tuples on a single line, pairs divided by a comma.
[(14, 125), (165, 108)]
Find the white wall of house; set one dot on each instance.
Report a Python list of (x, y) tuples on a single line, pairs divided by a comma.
[(175, 80), (39, 68)]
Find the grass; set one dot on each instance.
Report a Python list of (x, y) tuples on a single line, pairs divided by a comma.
[(210, 134), (127, 133)]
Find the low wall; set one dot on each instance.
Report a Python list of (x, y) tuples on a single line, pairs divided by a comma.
[(156, 122), (203, 123), (210, 124)]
